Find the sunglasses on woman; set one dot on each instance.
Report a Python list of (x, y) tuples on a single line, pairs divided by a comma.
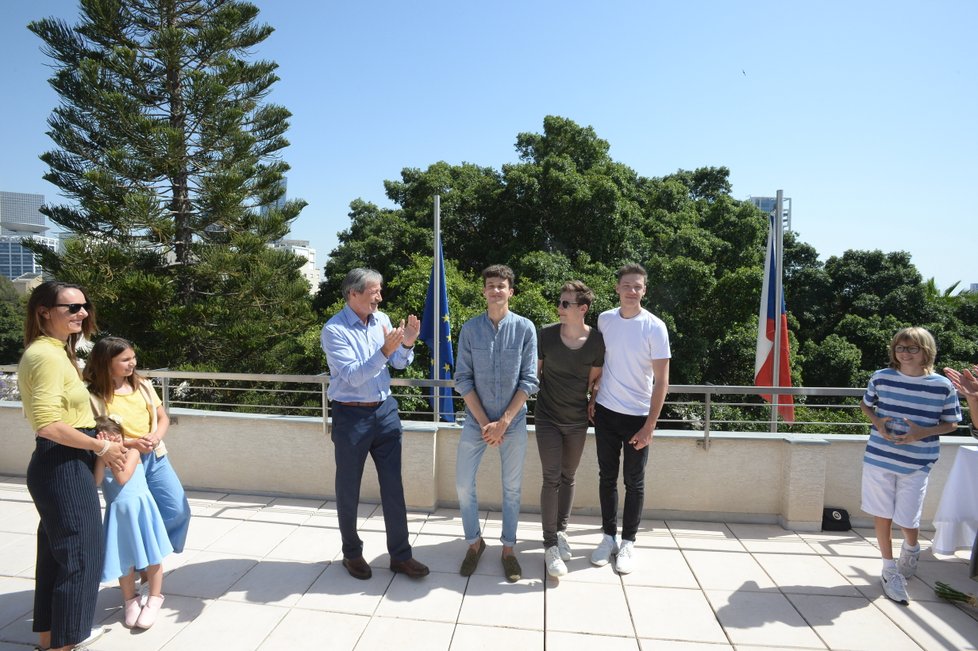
[(75, 308)]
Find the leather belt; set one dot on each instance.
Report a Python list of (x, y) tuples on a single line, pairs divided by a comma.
[(359, 404)]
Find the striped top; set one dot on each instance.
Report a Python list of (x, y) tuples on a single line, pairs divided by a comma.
[(926, 400)]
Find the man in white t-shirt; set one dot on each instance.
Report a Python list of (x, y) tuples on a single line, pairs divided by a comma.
[(625, 409)]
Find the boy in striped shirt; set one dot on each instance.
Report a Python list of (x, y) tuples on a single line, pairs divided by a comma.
[(910, 407)]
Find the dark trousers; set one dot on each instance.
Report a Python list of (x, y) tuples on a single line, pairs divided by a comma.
[(69, 541), (612, 432), (357, 432), (561, 447)]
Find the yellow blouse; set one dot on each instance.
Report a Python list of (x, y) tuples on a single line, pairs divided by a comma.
[(50, 388)]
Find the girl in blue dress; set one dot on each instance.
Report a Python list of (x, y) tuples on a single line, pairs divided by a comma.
[(135, 535)]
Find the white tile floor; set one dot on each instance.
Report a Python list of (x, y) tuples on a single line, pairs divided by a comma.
[(264, 573)]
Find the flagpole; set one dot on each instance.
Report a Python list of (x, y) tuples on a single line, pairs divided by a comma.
[(778, 262), (436, 297)]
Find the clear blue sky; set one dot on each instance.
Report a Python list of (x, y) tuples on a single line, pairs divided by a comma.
[(864, 113)]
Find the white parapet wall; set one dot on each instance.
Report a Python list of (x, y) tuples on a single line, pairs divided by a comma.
[(739, 477)]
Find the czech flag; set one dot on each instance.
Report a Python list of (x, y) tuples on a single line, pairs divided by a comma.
[(443, 331), (772, 314)]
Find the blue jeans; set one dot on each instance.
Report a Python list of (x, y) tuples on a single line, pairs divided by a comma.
[(357, 432), (512, 452), (169, 497)]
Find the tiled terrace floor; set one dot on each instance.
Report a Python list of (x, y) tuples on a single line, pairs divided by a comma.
[(264, 573)]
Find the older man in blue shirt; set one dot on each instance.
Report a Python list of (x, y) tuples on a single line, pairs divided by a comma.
[(359, 343), (495, 372)]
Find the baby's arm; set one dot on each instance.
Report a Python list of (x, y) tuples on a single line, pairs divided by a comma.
[(99, 471)]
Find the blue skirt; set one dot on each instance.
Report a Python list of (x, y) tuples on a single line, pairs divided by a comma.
[(135, 536)]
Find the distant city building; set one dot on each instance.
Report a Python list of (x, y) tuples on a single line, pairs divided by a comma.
[(20, 219), (769, 204), (302, 249)]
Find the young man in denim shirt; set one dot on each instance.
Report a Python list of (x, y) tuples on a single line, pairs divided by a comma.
[(495, 373)]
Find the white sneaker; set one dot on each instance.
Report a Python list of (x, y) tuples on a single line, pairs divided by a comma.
[(908, 561), (555, 565), (563, 546), (623, 561), (93, 637), (608, 546), (895, 586)]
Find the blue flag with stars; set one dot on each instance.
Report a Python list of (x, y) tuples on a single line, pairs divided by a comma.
[(446, 404)]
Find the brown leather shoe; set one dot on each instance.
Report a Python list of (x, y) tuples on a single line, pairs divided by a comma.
[(358, 568), (412, 568)]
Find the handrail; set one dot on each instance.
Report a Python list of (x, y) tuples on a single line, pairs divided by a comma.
[(174, 384)]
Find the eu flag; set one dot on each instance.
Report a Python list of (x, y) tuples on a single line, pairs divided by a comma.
[(446, 406)]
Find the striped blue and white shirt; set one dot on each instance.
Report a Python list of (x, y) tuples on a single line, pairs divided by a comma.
[(926, 401)]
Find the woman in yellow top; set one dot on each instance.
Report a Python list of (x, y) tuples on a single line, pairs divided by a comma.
[(59, 476), (129, 399)]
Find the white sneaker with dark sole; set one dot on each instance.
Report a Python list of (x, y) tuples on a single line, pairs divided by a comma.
[(895, 586)]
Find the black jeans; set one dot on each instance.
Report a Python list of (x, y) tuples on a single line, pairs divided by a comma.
[(612, 433), (561, 447)]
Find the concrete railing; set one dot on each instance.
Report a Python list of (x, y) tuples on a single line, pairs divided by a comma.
[(739, 477)]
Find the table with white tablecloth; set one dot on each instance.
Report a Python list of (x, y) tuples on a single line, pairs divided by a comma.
[(956, 520)]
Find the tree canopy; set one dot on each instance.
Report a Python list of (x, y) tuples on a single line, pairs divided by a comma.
[(567, 210)]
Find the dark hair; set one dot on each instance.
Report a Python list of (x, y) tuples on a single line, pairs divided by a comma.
[(632, 268), (98, 370), (582, 293), (46, 295), (356, 280), (499, 271), (106, 424)]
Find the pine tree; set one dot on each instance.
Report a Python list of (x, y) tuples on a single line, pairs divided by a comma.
[(171, 157)]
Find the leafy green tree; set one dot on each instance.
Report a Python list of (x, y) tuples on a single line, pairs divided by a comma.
[(170, 154), (566, 210), (732, 358), (11, 323), (834, 362), (378, 238)]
